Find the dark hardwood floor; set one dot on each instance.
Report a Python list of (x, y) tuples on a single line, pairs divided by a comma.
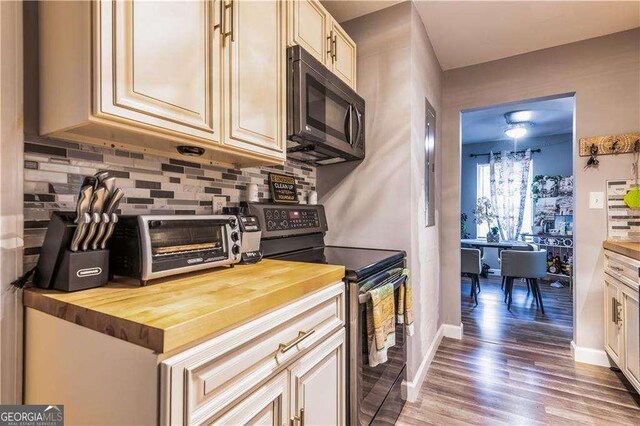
[(516, 368)]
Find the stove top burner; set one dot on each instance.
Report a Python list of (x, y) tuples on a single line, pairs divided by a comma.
[(360, 263)]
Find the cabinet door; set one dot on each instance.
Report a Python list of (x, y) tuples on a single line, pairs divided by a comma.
[(159, 65), (254, 76), (344, 55), (613, 334), (308, 26), (267, 405), (318, 384), (631, 320)]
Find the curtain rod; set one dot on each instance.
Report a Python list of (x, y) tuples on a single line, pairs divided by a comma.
[(498, 153)]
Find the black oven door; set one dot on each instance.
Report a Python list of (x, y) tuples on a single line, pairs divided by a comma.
[(325, 116), (375, 392)]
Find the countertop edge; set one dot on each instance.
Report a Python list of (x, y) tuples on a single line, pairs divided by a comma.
[(622, 247)]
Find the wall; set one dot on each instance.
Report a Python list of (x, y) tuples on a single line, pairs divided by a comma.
[(380, 202), (623, 223), (54, 170), (605, 75), (555, 159)]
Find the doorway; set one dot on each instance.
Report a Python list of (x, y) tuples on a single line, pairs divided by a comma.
[(517, 211)]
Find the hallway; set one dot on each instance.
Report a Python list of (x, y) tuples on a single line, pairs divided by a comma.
[(516, 368)]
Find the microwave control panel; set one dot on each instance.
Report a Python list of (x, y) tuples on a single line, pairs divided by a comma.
[(287, 219)]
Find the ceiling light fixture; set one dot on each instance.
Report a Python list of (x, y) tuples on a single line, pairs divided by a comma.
[(518, 116), (517, 130)]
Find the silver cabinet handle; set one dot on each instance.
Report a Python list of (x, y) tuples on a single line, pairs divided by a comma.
[(330, 40), (614, 310), (335, 48), (285, 347), (617, 268), (224, 20), (299, 419)]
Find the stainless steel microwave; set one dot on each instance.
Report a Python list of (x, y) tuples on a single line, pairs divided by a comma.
[(325, 117)]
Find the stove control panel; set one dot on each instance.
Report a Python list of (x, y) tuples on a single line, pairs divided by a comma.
[(278, 219)]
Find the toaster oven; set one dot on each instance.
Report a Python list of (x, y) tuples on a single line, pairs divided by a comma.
[(150, 246)]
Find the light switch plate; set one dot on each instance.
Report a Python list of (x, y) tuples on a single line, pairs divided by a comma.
[(218, 204), (596, 200)]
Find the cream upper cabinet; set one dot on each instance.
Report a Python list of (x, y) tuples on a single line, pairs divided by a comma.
[(308, 26), (312, 27), (255, 75), (318, 384), (343, 53), (613, 332), (153, 75), (160, 65)]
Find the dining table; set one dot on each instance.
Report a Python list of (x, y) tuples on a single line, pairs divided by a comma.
[(481, 242)]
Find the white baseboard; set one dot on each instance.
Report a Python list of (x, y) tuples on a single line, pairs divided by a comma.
[(452, 331), (411, 389), (589, 355)]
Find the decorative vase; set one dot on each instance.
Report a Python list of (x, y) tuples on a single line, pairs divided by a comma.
[(493, 238)]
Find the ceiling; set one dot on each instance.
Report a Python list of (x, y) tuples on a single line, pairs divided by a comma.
[(471, 32), (550, 117)]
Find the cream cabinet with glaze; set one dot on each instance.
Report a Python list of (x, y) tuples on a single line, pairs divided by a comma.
[(155, 75), (311, 26), (622, 314)]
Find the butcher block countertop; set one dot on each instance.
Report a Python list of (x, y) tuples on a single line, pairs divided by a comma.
[(625, 248), (177, 311)]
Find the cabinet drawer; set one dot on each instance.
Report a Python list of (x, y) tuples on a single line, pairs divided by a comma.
[(623, 268), (203, 381)]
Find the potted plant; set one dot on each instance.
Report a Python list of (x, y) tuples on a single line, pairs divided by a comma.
[(493, 235), (484, 213)]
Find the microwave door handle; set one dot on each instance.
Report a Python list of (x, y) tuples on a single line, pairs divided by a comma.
[(359, 127), (347, 125)]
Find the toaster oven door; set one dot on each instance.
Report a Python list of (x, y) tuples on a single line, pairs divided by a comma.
[(174, 245)]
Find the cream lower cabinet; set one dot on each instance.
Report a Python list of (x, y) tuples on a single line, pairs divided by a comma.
[(153, 75), (288, 366), (311, 26), (622, 314)]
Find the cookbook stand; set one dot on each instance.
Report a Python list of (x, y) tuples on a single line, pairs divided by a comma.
[(62, 269)]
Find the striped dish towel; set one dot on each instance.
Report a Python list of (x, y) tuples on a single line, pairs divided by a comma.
[(381, 327), (405, 303)]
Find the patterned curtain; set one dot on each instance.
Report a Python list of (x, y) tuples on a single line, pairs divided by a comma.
[(509, 175)]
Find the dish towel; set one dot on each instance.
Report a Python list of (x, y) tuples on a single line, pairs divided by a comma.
[(405, 303), (381, 327)]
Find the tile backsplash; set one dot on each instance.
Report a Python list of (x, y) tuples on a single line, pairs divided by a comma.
[(54, 170), (623, 223)]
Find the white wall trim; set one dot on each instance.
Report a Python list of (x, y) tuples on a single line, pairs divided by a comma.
[(411, 389), (452, 331), (589, 355)]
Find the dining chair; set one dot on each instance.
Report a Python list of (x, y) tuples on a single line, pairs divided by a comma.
[(471, 265), (528, 247), (530, 265)]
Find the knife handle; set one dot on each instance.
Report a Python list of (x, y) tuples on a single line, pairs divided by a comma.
[(102, 227), (95, 219), (110, 227), (80, 231)]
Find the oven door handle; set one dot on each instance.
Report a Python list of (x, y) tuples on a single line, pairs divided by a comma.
[(365, 297)]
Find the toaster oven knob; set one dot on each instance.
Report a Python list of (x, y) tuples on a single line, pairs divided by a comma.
[(235, 249), (235, 236), (233, 222)]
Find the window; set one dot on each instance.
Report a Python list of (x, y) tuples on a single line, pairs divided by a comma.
[(430, 164), (484, 190)]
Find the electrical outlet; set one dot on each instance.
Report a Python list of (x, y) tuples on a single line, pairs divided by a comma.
[(218, 204), (596, 200)]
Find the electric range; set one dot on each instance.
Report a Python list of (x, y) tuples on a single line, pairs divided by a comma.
[(296, 233)]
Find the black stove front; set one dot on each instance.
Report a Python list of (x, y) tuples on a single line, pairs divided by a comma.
[(296, 233)]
